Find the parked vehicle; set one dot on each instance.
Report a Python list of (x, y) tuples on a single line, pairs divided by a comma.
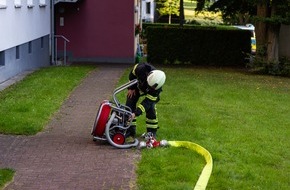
[(251, 28)]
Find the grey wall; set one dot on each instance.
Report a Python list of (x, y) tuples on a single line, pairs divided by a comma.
[(36, 58)]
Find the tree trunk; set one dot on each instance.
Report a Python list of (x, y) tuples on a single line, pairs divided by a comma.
[(273, 39), (169, 19), (261, 30), (273, 43), (181, 13)]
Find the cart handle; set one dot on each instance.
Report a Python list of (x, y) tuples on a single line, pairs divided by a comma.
[(120, 89)]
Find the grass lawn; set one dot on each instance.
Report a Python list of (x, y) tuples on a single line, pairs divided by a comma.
[(29, 104), (241, 119), (6, 175)]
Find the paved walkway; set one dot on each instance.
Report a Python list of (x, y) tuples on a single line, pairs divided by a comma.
[(64, 156)]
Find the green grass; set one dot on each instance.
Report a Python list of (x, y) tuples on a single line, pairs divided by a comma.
[(6, 175), (241, 119), (27, 106)]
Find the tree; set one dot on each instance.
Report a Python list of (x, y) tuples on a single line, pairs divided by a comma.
[(168, 7), (272, 13), (181, 13), (233, 12), (268, 17)]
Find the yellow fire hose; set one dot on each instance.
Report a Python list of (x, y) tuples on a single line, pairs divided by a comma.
[(206, 172)]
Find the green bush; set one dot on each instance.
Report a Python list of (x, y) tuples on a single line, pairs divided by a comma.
[(280, 68), (197, 45)]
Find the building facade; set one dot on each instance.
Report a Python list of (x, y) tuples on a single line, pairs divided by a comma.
[(148, 10), (24, 36), (98, 31)]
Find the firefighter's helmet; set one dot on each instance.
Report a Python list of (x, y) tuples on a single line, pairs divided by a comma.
[(156, 79)]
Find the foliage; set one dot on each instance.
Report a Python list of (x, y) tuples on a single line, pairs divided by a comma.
[(231, 8), (279, 12), (27, 106), (191, 16), (280, 68), (6, 175), (233, 12), (242, 119), (138, 29), (269, 16), (168, 7)]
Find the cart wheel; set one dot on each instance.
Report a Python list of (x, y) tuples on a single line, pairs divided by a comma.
[(119, 138)]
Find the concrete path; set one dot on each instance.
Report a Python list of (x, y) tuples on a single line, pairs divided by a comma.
[(64, 156)]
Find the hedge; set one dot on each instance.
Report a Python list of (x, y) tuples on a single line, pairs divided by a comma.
[(197, 45)]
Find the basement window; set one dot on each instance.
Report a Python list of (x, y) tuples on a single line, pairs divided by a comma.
[(17, 3), (17, 52), (29, 47), (42, 3), (41, 42), (30, 4), (2, 58), (3, 4)]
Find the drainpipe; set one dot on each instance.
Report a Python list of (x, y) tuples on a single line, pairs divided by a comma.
[(52, 48), (140, 16)]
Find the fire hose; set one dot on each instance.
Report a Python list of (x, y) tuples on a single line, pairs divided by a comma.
[(206, 172), (202, 181)]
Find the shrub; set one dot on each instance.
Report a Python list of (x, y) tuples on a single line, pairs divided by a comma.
[(197, 45), (280, 68)]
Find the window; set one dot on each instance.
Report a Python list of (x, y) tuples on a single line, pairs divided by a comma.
[(29, 47), (42, 3), (17, 3), (2, 58), (41, 42), (148, 8), (3, 4), (30, 4), (17, 52)]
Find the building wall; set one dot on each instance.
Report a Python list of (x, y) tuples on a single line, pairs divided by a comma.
[(23, 24), (100, 31), (148, 15), (30, 55), (24, 39)]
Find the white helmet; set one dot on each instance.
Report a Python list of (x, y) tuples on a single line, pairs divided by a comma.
[(156, 79)]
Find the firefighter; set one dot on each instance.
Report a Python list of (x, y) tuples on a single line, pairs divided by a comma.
[(149, 86)]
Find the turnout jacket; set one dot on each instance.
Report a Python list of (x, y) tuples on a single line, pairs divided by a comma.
[(140, 72)]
